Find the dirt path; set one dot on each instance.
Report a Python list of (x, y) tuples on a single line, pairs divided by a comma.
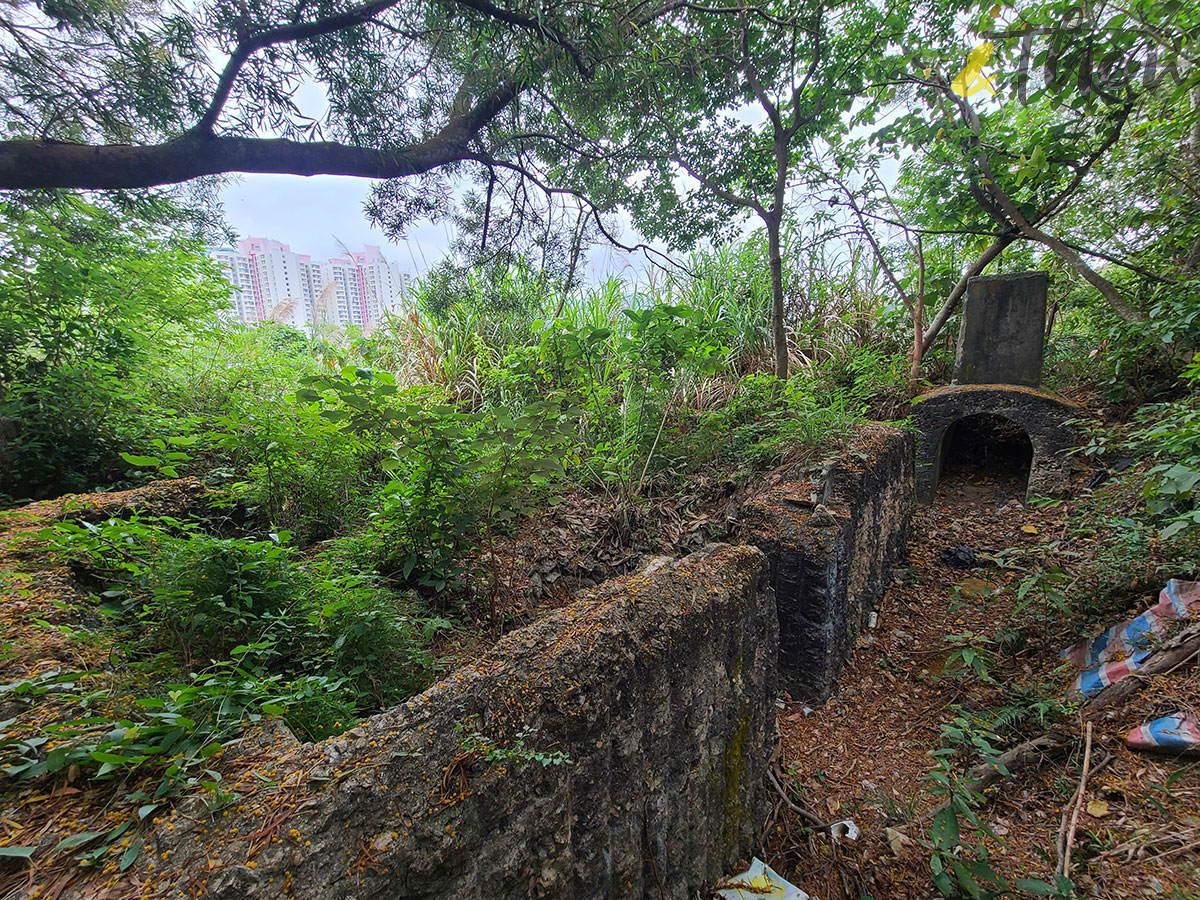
[(865, 755)]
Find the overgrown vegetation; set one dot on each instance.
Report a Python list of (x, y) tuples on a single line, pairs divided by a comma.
[(361, 487), (370, 493)]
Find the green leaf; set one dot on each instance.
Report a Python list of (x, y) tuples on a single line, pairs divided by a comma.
[(1035, 886), (114, 759), (76, 840), (16, 852), (141, 460), (944, 830), (128, 857)]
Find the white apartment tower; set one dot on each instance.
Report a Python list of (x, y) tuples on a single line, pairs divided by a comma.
[(271, 282)]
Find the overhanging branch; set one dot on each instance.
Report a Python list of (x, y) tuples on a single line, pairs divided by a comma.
[(54, 164)]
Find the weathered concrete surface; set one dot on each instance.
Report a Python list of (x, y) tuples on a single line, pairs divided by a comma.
[(1045, 417), (1002, 338), (660, 688), (831, 546)]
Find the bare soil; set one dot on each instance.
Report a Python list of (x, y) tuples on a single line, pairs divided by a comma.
[(865, 754)]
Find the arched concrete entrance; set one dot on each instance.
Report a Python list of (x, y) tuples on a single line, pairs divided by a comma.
[(1043, 416), (993, 454)]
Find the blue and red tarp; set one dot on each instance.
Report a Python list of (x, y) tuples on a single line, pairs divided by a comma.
[(1178, 733)]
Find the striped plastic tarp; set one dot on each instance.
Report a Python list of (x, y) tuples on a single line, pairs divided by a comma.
[(1178, 600), (1091, 681), (1179, 733)]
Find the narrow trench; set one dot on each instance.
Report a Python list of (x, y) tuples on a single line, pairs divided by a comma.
[(864, 754)]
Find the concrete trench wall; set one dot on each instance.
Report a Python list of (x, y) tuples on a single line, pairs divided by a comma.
[(831, 544), (660, 687)]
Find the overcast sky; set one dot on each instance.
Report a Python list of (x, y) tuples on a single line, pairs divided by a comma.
[(314, 214)]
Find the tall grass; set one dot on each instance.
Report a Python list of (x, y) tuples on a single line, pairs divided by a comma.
[(465, 332)]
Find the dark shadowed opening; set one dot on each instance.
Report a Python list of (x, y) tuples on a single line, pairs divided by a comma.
[(988, 453)]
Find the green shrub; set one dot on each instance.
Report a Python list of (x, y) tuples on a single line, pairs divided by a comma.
[(374, 641), (765, 422), (207, 595), (90, 302), (1168, 434), (869, 376), (175, 592), (459, 477)]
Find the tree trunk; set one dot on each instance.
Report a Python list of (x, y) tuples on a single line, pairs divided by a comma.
[(1110, 291), (917, 354), (778, 333), (1031, 232)]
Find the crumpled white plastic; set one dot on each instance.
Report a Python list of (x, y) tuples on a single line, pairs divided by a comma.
[(759, 878)]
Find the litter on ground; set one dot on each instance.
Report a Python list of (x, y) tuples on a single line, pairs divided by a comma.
[(759, 881), (1178, 733), (1178, 600)]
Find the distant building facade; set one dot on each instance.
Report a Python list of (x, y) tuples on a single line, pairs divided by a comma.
[(270, 282)]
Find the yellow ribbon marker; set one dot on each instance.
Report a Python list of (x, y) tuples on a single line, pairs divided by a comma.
[(971, 79)]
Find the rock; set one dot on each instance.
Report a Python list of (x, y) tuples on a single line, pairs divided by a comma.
[(821, 517), (898, 841)]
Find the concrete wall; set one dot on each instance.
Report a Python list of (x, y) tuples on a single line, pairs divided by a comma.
[(831, 544), (660, 688)]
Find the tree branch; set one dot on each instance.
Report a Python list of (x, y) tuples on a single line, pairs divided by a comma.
[(352, 18), (551, 190), (283, 34), (724, 193), (960, 289), (54, 164)]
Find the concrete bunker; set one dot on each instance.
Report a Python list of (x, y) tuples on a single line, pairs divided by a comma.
[(990, 451), (997, 372), (1044, 417)]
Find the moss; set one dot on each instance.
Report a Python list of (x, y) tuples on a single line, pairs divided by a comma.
[(956, 389), (733, 806)]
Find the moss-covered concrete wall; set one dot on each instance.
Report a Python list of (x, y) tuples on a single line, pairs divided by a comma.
[(831, 543), (660, 690)]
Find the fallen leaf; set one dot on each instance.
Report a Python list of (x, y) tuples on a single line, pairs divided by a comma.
[(976, 587), (1097, 809), (1029, 529)]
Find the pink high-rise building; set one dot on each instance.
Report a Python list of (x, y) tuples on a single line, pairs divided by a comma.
[(272, 282)]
